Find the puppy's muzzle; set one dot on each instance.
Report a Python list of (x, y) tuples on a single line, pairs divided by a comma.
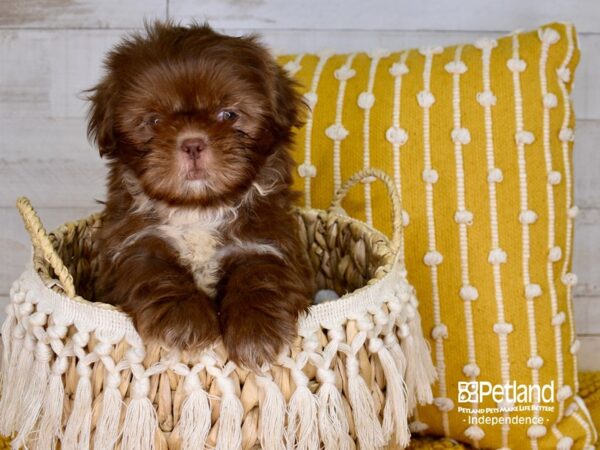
[(193, 147)]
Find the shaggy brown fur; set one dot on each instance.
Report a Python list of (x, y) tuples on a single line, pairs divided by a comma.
[(199, 240)]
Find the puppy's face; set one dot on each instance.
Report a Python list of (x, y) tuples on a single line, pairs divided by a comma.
[(192, 114)]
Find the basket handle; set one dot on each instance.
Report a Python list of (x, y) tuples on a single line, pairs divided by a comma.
[(41, 243), (364, 175)]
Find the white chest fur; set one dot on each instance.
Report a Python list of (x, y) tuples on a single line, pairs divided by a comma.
[(196, 234), (196, 237)]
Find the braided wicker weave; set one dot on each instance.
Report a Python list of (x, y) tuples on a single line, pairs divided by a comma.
[(77, 372)]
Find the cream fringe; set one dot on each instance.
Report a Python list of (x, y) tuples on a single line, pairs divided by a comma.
[(34, 395), (8, 402), (107, 429), (230, 421), (79, 427), (366, 422), (23, 373), (421, 372), (141, 422), (333, 423), (51, 418), (272, 415), (33, 391), (194, 422), (302, 432), (395, 413)]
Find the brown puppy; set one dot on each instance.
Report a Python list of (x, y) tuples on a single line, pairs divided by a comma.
[(198, 239)]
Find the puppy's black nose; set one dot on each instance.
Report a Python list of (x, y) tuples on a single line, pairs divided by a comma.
[(193, 147)]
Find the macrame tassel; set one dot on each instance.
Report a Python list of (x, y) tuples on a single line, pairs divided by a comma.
[(420, 373), (34, 395), (195, 421), (17, 297), (272, 415), (7, 330), (22, 379), (366, 423), (230, 416), (302, 431), (393, 346), (107, 428), (8, 406), (52, 408), (333, 423), (140, 423), (395, 413), (79, 427)]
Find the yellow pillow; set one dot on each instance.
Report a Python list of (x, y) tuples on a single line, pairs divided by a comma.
[(478, 139)]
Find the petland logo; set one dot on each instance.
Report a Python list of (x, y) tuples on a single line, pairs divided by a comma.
[(513, 393)]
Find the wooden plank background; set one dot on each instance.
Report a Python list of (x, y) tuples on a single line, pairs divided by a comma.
[(51, 50)]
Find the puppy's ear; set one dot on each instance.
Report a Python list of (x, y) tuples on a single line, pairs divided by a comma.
[(289, 105), (101, 126)]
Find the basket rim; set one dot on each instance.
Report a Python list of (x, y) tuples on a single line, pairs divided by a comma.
[(315, 310)]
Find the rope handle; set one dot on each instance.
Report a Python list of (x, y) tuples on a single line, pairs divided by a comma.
[(366, 176), (41, 244)]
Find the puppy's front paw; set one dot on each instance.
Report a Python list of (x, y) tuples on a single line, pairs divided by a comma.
[(253, 336), (186, 324)]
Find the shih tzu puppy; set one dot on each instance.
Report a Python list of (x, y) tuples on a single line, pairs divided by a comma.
[(199, 240)]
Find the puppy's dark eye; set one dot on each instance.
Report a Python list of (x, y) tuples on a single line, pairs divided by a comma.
[(226, 115), (153, 121)]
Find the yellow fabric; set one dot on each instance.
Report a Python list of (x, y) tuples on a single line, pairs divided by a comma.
[(590, 391), (435, 444), (470, 127)]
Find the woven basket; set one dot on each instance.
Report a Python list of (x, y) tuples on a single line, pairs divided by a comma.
[(77, 372)]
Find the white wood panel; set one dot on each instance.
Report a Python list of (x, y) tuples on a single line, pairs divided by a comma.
[(52, 183), (471, 15), (588, 357), (79, 13), (15, 246), (27, 137), (587, 315), (586, 263), (388, 14), (586, 159), (45, 71)]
